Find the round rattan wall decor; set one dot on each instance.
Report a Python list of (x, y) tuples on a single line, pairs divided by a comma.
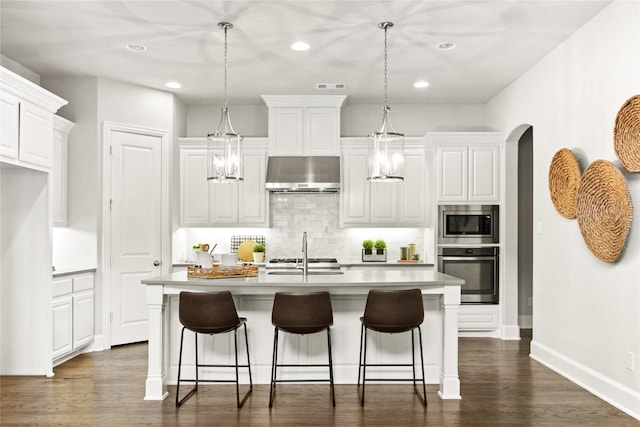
[(604, 210), (564, 177), (626, 134)]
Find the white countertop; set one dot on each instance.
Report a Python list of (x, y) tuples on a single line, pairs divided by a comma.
[(350, 282)]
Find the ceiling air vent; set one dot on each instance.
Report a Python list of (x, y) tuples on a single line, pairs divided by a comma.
[(327, 86)]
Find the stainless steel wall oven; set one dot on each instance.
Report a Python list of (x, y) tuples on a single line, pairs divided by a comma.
[(468, 224), (479, 267)]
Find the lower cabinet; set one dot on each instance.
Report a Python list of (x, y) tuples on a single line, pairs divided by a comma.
[(479, 317), (73, 314)]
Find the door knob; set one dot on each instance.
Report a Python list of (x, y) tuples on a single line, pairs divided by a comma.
[(156, 263)]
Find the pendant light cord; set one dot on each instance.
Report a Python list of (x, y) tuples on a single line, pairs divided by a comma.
[(225, 66), (386, 102)]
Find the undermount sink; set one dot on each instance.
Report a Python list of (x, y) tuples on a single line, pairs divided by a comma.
[(297, 272)]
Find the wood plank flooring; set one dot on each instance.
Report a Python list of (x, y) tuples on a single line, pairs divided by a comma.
[(501, 386)]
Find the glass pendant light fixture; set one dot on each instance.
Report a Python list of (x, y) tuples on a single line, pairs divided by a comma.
[(224, 157), (386, 146)]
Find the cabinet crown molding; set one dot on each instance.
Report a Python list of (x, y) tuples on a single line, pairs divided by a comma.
[(29, 91)]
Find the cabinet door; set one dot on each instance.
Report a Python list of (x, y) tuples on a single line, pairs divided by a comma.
[(412, 192), (83, 314), (484, 173), (452, 173), (9, 132), (354, 209), (223, 203), (36, 135), (285, 131), (194, 187), (321, 131), (384, 204), (252, 203), (59, 179), (62, 323)]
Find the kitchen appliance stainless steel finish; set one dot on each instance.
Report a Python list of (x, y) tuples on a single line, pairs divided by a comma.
[(303, 174), (468, 224), (479, 267)]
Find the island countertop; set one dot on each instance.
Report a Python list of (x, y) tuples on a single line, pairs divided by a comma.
[(349, 282)]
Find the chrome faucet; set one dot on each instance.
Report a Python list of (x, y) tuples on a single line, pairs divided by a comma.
[(305, 259)]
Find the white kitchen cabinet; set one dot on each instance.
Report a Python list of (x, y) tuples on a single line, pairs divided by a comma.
[(479, 317), (207, 204), (61, 129), (72, 315), (467, 166), (304, 125), (382, 204), (27, 122), (10, 130)]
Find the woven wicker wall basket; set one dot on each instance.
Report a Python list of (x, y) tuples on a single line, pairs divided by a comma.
[(604, 210), (626, 134), (564, 177)]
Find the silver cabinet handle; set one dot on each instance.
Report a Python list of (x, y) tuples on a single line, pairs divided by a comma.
[(156, 263)]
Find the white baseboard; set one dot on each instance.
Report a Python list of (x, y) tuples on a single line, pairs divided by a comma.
[(510, 332), (525, 321), (612, 392)]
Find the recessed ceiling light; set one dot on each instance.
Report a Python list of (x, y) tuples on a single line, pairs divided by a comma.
[(421, 84), (134, 47), (173, 85), (300, 46), (446, 45)]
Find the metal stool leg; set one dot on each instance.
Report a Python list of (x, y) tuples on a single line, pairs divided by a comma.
[(360, 355), (179, 402), (274, 362), (364, 366), (235, 345), (333, 393), (413, 358), (424, 385), (246, 341)]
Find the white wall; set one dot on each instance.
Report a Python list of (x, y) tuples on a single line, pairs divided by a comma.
[(586, 313)]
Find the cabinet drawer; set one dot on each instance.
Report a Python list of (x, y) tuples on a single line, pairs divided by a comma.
[(82, 283), (62, 287), (478, 318)]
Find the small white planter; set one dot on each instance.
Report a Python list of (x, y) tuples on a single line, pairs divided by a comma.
[(376, 255), (258, 257)]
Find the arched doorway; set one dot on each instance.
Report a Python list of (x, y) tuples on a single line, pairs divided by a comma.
[(519, 243)]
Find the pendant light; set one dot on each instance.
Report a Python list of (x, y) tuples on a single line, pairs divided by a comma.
[(386, 146), (224, 157)]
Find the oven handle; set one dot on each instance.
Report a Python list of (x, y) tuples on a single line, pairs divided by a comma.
[(468, 258)]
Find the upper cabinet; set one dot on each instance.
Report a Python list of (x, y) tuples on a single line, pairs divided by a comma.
[(304, 125), (204, 203), (383, 204), (61, 129), (467, 166), (27, 122)]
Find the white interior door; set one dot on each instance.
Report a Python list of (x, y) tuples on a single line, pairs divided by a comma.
[(136, 230)]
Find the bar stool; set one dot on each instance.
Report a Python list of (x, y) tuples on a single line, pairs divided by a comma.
[(211, 313), (301, 314), (391, 312)]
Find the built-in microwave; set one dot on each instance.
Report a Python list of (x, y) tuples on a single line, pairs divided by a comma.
[(466, 224)]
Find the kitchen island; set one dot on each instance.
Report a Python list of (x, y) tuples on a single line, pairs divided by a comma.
[(254, 300)]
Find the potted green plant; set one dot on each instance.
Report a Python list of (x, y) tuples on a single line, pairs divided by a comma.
[(258, 252), (374, 251)]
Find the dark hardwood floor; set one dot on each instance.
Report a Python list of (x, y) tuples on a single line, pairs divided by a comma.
[(501, 386)]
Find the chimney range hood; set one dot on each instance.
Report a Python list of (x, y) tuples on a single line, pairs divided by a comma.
[(303, 174)]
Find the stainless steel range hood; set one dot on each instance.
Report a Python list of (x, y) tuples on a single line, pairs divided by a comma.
[(302, 174)]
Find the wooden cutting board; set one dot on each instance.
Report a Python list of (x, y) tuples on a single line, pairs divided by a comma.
[(245, 250)]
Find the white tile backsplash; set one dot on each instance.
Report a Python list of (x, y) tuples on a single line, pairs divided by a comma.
[(318, 215)]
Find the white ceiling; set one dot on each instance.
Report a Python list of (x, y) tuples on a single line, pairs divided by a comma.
[(496, 42)]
